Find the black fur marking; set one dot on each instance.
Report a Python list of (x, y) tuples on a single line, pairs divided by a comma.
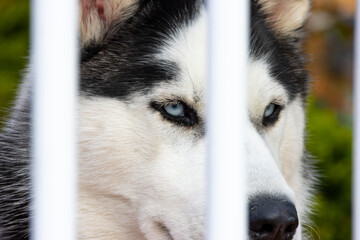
[(125, 62), (283, 55), (91, 50)]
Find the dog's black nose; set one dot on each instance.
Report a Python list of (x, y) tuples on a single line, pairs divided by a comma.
[(272, 219)]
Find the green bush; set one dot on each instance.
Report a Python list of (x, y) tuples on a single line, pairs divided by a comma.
[(330, 142), (14, 38)]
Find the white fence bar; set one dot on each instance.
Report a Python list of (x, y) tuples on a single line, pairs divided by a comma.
[(228, 58), (356, 139), (54, 74)]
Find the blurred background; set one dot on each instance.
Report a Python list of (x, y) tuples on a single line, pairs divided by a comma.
[(330, 50)]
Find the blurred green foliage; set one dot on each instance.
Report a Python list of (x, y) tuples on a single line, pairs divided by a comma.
[(14, 38), (330, 142), (329, 133)]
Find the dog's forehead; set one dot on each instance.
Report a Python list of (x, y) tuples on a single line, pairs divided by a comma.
[(125, 62), (166, 42), (263, 89), (187, 49)]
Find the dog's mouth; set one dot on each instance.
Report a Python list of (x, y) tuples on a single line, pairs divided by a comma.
[(165, 230)]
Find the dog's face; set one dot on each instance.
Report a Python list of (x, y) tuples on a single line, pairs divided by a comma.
[(142, 121)]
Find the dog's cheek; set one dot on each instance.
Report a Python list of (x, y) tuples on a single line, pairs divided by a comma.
[(273, 137), (264, 174), (115, 142), (175, 190), (292, 143), (126, 151), (292, 154)]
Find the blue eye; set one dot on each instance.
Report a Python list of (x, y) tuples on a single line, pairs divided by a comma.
[(270, 109), (271, 114), (178, 113), (176, 110)]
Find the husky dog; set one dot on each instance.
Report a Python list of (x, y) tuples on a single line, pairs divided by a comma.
[(141, 124)]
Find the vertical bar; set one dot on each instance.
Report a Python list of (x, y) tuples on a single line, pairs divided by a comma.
[(54, 75), (356, 139), (229, 42)]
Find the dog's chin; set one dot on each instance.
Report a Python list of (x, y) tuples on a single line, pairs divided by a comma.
[(157, 231), (297, 236), (165, 231), (162, 231)]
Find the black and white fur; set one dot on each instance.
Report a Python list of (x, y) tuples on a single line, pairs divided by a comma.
[(141, 124)]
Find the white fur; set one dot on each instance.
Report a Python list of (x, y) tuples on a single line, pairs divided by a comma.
[(143, 177)]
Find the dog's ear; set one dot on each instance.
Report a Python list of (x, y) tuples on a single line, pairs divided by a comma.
[(96, 16), (285, 16)]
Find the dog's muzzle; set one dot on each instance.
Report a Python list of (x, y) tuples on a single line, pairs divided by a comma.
[(272, 218)]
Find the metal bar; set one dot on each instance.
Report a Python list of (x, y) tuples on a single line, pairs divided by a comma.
[(228, 60), (54, 73), (356, 139)]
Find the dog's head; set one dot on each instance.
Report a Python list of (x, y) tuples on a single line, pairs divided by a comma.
[(142, 114)]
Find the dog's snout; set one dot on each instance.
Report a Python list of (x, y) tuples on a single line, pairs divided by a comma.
[(272, 219)]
